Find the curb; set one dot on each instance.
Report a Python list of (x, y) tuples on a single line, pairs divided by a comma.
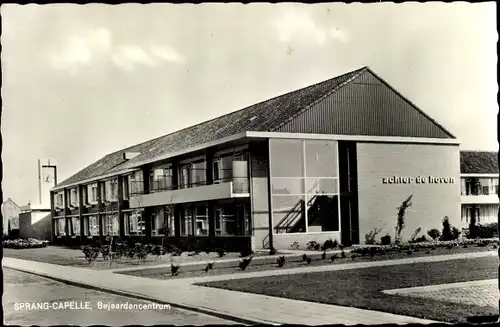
[(237, 319)]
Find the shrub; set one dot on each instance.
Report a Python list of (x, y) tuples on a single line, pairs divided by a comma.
[(329, 244), (400, 224), (24, 243), (485, 231), (174, 269), (385, 240), (434, 233), (220, 252), (370, 237), (244, 263), (304, 257), (281, 261), (449, 232), (295, 245), (313, 245)]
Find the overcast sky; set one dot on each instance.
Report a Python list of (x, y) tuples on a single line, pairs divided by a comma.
[(82, 81)]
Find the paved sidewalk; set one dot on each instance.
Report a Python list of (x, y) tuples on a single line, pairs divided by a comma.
[(238, 306), (480, 292)]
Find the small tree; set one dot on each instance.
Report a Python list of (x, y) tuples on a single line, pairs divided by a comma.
[(400, 225), (449, 233), (434, 233)]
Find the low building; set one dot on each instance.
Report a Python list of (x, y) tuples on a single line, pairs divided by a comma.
[(333, 160), (479, 187), (10, 214), (35, 221)]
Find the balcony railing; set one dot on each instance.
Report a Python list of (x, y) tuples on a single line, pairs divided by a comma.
[(241, 185)]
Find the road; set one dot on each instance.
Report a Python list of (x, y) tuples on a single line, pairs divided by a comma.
[(20, 287)]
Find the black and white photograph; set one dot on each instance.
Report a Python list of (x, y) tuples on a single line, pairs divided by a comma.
[(243, 164)]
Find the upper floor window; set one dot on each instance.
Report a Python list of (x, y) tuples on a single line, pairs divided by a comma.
[(59, 200), (479, 186), (111, 190), (160, 178), (192, 174), (135, 183), (91, 193), (229, 165), (73, 197)]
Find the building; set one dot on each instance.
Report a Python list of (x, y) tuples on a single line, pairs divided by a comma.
[(35, 222), (333, 160), (10, 214), (479, 186)]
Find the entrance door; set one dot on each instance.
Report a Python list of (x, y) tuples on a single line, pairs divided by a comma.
[(348, 178)]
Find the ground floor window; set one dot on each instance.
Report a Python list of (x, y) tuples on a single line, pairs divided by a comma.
[(74, 226), (201, 213), (162, 222), (60, 226), (110, 224), (322, 213), (186, 222), (91, 225), (134, 223), (232, 220)]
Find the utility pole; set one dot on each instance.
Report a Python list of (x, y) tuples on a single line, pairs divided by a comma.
[(39, 182)]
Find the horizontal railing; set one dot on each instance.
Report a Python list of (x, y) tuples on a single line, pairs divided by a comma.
[(241, 185)]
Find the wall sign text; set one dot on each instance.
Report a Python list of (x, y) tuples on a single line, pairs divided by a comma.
[(418, 180)]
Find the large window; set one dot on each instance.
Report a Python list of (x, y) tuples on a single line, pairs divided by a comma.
[(479, 186), (162, 222), (134, 223), (60, 226), (192, 174), (125, 189), (201, 214), (110, 224), (232, 220), (186, 222), (161, 178), (304, 185)]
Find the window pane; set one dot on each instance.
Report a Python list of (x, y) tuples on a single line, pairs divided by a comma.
[(316, 185), (286, 158), (289, 214), (322, 213), (198, 173), (158, 226), (187, 222), (201, 227), (321, 158), (75, 221), (287, 186)]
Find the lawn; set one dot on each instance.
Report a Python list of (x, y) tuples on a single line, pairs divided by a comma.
[(270, 264), (361, 288)]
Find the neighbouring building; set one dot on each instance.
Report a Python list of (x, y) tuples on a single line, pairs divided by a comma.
[(10, 214), (333, 160), (35, 221), (479, 187)]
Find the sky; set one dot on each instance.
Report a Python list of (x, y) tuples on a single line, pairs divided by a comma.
[(81, 81)]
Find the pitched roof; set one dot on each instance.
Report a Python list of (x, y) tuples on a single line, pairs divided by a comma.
[(478, 162), (266, 116)]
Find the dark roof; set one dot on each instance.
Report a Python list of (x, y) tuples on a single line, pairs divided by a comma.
[(478, 162), (266, 116)]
